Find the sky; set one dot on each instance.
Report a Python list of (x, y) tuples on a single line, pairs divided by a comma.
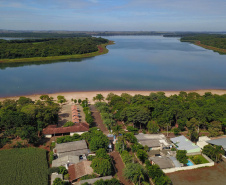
[(113, 15)]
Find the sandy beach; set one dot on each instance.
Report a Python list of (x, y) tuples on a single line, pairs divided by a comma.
[(91, 94)]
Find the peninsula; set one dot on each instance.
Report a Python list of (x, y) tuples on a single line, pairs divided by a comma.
[(50, 49)]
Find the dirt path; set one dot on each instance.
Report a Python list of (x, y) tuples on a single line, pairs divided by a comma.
[(97, 120), (119, 165)]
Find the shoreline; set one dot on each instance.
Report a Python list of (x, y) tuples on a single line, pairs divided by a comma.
[(90, 94), (102, 49)]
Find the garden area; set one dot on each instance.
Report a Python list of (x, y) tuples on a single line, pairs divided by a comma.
[(198, 159), (23, 166)]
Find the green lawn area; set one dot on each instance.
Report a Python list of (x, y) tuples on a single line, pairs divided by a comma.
[(198, 159), (23, 166)]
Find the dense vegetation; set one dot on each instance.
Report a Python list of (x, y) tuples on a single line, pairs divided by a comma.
[(25, 118), (65, 139), (213, 152), (214, 42), (101, 164), (96, 139), (29, 48), (157, 112), (23, 166), (182, 157)]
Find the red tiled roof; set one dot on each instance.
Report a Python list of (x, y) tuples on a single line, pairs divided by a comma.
[(52, 129), (79, 170)]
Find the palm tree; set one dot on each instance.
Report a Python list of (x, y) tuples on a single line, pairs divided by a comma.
[(117, 130)]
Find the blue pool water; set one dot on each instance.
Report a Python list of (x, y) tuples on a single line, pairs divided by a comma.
[(190, 163)]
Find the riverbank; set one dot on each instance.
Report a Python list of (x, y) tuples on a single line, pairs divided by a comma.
[(102, 49), (91, 94), (220, 51)]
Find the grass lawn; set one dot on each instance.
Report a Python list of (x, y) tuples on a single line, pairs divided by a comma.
[(198, 159), (23, 166)]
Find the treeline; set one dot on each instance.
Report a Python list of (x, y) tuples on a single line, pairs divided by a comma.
[(156, 111), (43, 35), (214, 40), (25, 118), (29, 48)]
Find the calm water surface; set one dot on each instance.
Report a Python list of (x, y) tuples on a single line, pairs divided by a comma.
[(133, 63)]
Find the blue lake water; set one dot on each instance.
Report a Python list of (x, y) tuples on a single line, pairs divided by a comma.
[(133, 63)]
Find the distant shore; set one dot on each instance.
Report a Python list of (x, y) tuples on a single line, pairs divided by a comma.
[(101, 50), (91, 94)]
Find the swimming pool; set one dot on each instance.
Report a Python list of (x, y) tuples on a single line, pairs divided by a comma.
[(190, 163)]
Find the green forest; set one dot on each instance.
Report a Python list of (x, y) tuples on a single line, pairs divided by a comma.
[(25, 118), (187, 111), (218, 41), (29, 48)]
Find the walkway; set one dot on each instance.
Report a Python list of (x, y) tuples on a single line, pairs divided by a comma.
[(119, 165)]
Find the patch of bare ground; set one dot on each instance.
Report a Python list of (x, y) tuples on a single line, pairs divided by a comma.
[(98, 122), (208, 175)]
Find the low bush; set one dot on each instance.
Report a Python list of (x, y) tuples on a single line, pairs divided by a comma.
[(68, 124), (126, 157)]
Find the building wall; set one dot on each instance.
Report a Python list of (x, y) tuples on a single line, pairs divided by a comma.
[(79, 133), (48, 136), (171, 170)]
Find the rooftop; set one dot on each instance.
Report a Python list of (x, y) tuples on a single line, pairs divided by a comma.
[(218, 142), (71, 146), (53, 129), (142, 137), (163, 162), (156, 139), (79, 170), (184, 144), (65, 160), (150, 143)]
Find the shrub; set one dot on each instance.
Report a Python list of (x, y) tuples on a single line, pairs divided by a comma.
[(181, 156), (113, 181), (68, 124), (58, 181), (176, 131), (135, 147), (132, 129), (51, 157), (142, 155), (65, 139), (62, 170), (120, 146), (126, 157), (91, 157), (52, 145), (53, 170), (102, 166), (130, 137), (101, 153), (89, 177)]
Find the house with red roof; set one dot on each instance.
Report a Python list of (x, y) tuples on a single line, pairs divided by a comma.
[(79, 170), (53, 130)]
